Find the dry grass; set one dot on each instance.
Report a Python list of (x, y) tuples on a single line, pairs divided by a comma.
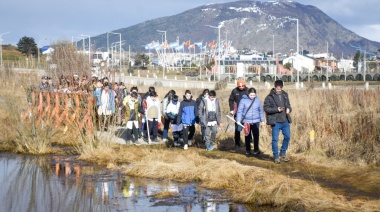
[(245, 184)]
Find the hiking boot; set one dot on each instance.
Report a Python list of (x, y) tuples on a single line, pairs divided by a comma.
[(185, 147), (258, 152), (284, 158), (277, 160)]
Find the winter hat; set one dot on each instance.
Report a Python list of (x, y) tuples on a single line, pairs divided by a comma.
[(240, 82)]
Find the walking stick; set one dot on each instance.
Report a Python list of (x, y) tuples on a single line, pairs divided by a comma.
[(238, 123)]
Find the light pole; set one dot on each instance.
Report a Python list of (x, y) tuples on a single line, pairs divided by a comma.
[(1, 49), (275, 69), (116, 33), (38, 53), (163, 67), (296, 19), (89, 47), (218, 27)]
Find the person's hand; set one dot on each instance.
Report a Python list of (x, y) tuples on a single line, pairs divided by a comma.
[(287, 110), (232, 112), (280, 109)]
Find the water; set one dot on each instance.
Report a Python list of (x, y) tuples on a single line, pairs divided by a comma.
[(61, 183)]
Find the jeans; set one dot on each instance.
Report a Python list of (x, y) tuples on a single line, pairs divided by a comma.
[(285, 127), (210, 133), (166, 129)]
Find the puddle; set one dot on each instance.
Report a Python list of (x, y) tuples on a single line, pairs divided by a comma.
[(61, 183)]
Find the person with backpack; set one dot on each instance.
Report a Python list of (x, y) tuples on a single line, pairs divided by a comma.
[(131, 105), (251, 111), (210, 118)]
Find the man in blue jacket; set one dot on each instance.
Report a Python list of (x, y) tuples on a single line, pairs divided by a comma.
[(186, 115)]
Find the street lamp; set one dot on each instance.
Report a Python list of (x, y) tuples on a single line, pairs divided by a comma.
[(218, 27), (116, 33), (296, 19), (163, 67), (38, 53), (1, 49), (89, 47), (275, 69)]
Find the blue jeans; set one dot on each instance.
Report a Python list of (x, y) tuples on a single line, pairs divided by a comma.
[(210, 134), (166, 129), (285, 127)]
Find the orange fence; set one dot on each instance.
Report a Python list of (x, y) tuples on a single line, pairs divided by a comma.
[(62, 109)]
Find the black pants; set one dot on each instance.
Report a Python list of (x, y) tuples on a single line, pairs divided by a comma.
[(237, 136), (133, 131), (188, 133), (254, 132), (153, 128)]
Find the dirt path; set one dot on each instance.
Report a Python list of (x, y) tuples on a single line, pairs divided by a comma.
[(362, 183)]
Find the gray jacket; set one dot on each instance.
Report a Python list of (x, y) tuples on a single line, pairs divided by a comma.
[(203, 113)]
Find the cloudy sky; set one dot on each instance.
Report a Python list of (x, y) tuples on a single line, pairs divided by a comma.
[(52, 20)]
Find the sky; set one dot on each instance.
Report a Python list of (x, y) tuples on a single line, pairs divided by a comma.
[(52, 20)]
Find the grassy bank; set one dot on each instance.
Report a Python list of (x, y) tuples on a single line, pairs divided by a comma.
[(346, 125)]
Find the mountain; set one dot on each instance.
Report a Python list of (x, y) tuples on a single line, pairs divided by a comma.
[(250, 25)]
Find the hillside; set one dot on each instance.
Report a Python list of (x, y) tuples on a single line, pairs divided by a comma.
[(248, 24)]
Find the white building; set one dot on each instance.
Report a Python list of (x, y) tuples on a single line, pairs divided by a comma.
[(303, 64)]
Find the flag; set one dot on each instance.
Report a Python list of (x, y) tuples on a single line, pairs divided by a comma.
[(180, 47), (187, 43), (211, 44), (192, 46), (198, 44), (173, 45)]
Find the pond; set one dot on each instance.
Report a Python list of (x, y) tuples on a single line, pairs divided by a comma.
[(62, 183)]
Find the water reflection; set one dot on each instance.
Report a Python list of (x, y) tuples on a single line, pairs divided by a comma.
[(31, 183)]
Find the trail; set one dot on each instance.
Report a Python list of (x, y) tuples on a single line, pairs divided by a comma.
[(353, 183)]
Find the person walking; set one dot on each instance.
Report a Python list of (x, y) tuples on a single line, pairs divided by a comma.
[(251, 111), (210, 118), (187, 114), (165, 102), (172, 114), (201, 99), (106, 104), (131, 105), (153, 115), (233, 101), (277, 108)]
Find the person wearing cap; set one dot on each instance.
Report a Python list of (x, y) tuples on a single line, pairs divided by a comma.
[(234, 100)]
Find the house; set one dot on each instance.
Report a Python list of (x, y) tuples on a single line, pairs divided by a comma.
[(302, 63)]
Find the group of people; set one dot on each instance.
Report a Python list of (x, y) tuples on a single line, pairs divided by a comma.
[(116, 104), (249, 113)]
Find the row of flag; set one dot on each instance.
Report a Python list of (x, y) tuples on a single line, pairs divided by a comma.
[(155, 45)]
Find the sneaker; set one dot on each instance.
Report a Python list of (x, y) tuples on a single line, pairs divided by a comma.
[(177, 144), (164, 139), (210, 148), (155, 140), (185, 147), (258, 152), (277, 160), (284, 158), (248, 153), (190, 142)]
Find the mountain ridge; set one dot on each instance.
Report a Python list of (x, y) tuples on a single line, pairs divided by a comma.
[(249, 24)]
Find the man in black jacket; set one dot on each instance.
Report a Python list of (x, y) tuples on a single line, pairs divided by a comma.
[(233, 101), (277, 108)]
